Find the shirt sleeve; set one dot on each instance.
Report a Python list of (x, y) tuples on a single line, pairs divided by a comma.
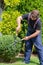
[(25, 16), (38, 25)]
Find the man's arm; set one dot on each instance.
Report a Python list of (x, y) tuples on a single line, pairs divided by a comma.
[(32, 35), (19, 19)]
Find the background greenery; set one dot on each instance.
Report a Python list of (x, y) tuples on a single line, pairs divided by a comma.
[(10, 46), (15, 8)]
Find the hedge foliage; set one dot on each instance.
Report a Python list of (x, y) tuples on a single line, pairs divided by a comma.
[(9, 16), (12, 3), (10, 46), (9, 23)]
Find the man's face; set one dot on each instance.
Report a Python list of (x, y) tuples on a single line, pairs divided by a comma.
[(33, 18)]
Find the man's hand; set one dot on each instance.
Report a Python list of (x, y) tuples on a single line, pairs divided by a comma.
[(26, 38)]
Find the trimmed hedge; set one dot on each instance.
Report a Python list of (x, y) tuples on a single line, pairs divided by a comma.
[(10, 46)]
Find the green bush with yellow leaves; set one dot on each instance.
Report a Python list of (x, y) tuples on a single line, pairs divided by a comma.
[(9, 16)]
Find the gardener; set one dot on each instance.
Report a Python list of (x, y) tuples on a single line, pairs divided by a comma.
[(33, 35)]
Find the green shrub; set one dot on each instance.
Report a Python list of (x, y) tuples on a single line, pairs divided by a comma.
[(9, 47), (11, 3), (9, 22), (9, 16)]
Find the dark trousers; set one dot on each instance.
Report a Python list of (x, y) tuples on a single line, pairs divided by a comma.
[(28, 48)]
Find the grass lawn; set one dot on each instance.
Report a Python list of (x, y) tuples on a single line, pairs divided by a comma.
[(34, 61)]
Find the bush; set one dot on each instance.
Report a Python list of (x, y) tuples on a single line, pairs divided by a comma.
[(12, 3), (9, 47), (9, 23), (9, 16)]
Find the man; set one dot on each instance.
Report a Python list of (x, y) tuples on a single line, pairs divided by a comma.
[(33, 35)]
